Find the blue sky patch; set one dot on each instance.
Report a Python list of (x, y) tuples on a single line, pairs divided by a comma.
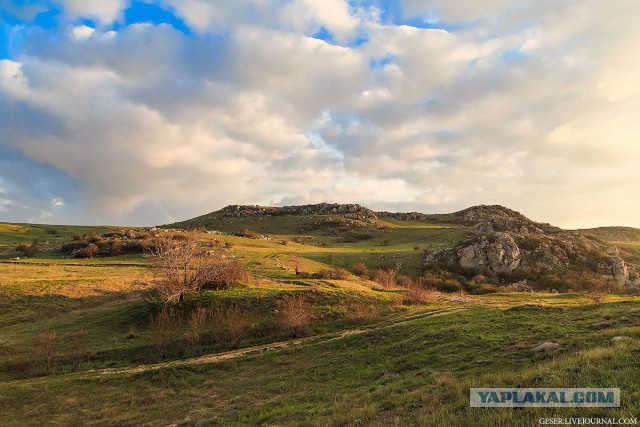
[(140, 12), (382, 62)]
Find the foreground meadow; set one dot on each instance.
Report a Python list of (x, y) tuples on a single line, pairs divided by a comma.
[(82, 343)]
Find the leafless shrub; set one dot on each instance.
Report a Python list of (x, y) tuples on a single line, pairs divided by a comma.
[(322, 274), (217, 323), (46, 350), (294, 314), (197, 322), (362, 311), (596, 296), (334, 274), (360, 269), (238, 323), (80, 349), (89, 251), (388, 278), (229, 273), (163, 330), (28, 250), (339, 273), (416, 292)]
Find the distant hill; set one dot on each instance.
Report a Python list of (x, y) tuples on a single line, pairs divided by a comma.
[(353, 211), (613, 234)]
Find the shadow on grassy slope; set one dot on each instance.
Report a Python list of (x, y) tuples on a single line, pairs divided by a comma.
[(417, 374)]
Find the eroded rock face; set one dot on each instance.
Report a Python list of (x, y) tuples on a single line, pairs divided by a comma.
[(619, 270), (472, 257), (615, 268), (504, 255), (501, 255)]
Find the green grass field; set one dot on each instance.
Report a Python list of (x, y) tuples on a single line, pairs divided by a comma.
[(417, 373), (366, 359)]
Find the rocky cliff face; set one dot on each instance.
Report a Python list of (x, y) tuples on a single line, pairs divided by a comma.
[(505, 242)]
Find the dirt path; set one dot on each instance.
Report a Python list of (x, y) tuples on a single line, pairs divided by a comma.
[(218, 357)]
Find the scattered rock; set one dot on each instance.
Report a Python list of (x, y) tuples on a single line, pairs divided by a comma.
[(522, 286), (547, 346), (620, 339)]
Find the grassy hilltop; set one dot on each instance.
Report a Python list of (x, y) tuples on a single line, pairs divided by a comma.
[(83, 343)]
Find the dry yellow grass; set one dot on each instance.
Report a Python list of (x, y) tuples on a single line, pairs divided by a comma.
[(12, 228), (70, 281)]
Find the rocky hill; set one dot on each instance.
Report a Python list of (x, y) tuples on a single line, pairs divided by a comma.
[(505, 243), (264, 213), (501, 243)]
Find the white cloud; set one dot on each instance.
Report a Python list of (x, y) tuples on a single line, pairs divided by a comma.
[(105, 11), (531, 105), (82, 32)]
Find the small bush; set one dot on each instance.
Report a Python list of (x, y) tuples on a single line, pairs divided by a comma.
[(339, 274), (360, 269), (226, 274), (355, 236), (28, 250), (362, 311), (46, 350), (197, 322), (245, 232), (238, 323), (300, 239), (294, 314), (89, 251), (322, 274), (163, 330), (388, 278), (415, 292), (450, 286), (333, 274), (596, 296)]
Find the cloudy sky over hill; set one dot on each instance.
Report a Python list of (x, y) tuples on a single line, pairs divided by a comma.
[(143, 112)]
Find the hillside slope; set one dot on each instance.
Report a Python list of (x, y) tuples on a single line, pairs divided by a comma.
[(500, 244)]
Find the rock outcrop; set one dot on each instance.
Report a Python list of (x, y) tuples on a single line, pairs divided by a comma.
[(501, 256), (351, 211), (502, 241), (547, 346)]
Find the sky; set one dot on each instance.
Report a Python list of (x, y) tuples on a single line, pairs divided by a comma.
[(148, 112)]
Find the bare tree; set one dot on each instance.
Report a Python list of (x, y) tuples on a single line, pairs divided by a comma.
[(182, 265), (296, 260)]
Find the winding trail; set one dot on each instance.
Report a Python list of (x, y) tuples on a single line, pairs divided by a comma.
[(279, 345)]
